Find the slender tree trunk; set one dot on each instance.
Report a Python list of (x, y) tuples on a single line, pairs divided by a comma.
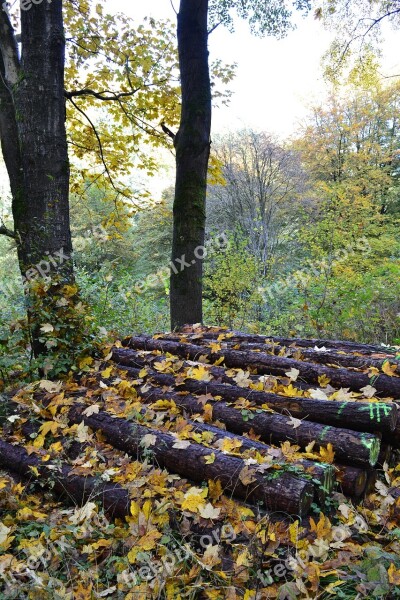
[(34, 144), (192, 144)]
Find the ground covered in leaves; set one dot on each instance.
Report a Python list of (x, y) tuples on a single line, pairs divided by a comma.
[(181, 540)]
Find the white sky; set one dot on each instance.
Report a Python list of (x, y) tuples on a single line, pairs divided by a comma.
[(275, 79)]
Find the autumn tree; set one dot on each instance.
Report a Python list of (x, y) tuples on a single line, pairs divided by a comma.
[(196, 20), (119, 83), (263, 185)]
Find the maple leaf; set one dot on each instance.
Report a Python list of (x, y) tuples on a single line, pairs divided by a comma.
[(318, 394), (389, 369), (209, 512), (49, 426), (211, 556), (215, 489), (149, 540), (215, 347), (82, 432), (181, 444), (294, 422), (242, 378), (199, 373), (368, 391), (83, 513), (53, 387), (327, 453), (209, 459), (107, 372), (393, 575), (323, 380), (229, 444), (148, 440), (293, 374), (47, 328), (194, 499), (247, 475)]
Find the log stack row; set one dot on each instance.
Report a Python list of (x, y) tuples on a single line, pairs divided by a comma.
[(362, 432)]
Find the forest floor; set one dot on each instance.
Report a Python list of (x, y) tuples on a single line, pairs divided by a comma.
[(93, 508)]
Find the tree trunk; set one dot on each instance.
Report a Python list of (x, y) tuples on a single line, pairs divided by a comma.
[(114, 499), (363, 416), (272, 365), (36, 156), (283, 492), (192, 144)]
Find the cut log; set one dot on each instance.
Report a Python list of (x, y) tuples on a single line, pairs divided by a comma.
[(364, 416), (114, 499), (276, 365), (352, 480), (345, 345), (331, 356), (322, 474), (350, 446), (279, 492)]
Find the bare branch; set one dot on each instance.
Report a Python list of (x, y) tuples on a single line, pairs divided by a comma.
[(7, 232), (99, 95)]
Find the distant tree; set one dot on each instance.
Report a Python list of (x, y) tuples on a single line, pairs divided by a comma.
[(264, 182)]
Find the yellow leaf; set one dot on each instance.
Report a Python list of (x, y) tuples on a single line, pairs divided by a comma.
[(215, 489), (327, 453), (394, 575), (38, 441), (230, 444), (48, 426), (199, 373), (294, 532), (209, 458), (215, 347), (134, 509), (194, 499), (149, 540), (323, 380), (107, 372), (389, 369)]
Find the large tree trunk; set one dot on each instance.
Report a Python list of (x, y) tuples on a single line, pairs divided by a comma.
[(192, 144), (36, 156)]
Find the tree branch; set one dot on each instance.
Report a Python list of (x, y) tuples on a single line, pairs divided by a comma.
[(7, 232), (99, 95)]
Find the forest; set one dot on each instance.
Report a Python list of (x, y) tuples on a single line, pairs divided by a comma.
[(248, 314)]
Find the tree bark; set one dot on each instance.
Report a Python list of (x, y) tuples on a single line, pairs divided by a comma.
[(352, 480), (285, 492), (342, 345), (273, 365), (350, 446), (192, 145), (114, 499), (363, 416), (331, 357), (36, 156)]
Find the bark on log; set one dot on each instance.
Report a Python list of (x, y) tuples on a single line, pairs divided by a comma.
[(363, 416), (268, 364), (345, 345), (330, 357), (323, 474), (284, 493), (114, 499), (352, 480), (350, 446)]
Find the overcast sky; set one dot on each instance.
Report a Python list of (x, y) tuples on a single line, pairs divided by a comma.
[(275, 79)]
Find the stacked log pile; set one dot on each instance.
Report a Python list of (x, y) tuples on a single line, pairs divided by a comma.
[(362, 432), (277, 422)]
